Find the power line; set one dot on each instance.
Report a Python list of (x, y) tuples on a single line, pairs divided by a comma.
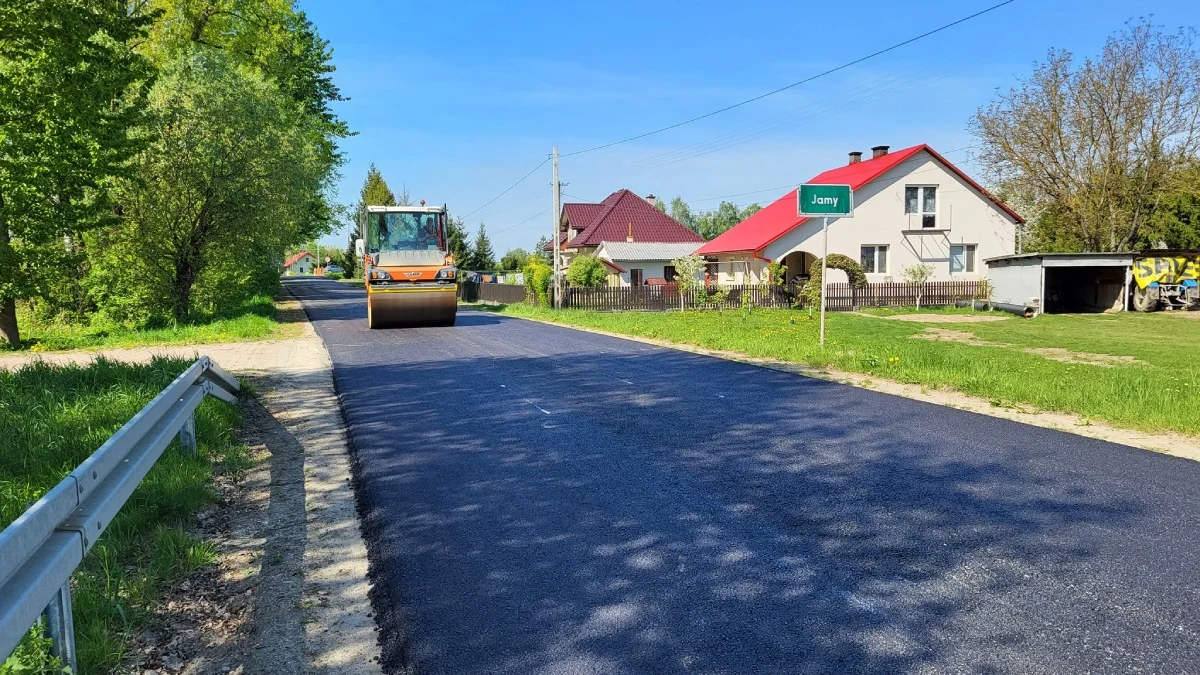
[(515, 225), (795, 84), (589, 201), (510, 187)]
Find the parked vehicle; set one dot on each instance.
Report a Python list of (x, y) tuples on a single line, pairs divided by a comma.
[(1166, 282), (334, 269)]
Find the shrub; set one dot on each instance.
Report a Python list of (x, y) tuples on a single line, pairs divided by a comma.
[(586, 271), (537, 280)]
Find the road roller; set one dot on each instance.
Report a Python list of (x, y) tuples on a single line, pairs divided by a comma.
[(409, 274)]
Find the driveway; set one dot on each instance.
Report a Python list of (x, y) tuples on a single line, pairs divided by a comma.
[(544, 500)]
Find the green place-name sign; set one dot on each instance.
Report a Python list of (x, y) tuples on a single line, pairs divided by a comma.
[(826, 200)]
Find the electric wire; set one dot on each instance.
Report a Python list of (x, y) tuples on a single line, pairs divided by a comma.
[(793, 84)]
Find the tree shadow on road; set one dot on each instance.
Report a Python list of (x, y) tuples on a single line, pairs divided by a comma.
[(653, 511)]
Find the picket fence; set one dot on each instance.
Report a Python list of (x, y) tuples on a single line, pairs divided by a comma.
[(840, 296)]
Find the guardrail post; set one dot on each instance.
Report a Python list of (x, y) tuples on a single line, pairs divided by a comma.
[(187, 435), (60, 627)]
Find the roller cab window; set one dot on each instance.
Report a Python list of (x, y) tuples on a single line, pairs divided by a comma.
[(404, 232)]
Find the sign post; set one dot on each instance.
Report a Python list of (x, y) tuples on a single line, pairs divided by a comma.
[(825, 201)]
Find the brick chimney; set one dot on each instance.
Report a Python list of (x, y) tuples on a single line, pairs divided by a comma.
[(629, 237), (855, 157), (879, 151), (653, 200)]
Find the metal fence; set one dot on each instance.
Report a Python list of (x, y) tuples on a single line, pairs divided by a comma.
[(40, 549), (470, 291)]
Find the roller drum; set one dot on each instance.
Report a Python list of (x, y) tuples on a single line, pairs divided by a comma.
[(412, 307)]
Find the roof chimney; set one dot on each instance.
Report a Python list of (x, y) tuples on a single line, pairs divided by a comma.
[(855, 157), (879, 151), (629, 237), (653, 200)]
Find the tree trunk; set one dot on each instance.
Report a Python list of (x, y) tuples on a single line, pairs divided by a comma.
[(8, 322), (8, 306), (185, 277)]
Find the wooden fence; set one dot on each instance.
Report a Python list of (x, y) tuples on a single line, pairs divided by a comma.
[(840, 296)]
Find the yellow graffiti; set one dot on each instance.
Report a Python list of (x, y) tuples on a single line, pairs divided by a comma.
[(1165, 270)]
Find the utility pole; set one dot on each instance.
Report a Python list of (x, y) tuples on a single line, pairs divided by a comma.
[(556, 193)]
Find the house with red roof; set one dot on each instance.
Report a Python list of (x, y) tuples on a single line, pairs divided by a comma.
[(301, 263), (627, 232), (911, 207)]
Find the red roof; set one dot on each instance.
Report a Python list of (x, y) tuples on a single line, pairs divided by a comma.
[(780, 217), (613, 218), (292, 260)]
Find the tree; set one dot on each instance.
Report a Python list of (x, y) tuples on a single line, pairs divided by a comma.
[(515, 259), (749, 210), (710, 224), (71, 94), (661, 206), (917, 275), (688, 271), (228, 183), (1176, 221), (586, 271), (374, 192), (1090, 149), (482, 258), (539, 250), (682, 213), (456, 241)]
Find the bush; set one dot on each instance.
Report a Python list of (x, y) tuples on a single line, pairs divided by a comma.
[(586, 271), (537, 281)]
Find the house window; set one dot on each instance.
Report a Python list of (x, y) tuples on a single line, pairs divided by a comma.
[(669, 273), (874, 259), (962, 258), (921, 201), (635, 277)]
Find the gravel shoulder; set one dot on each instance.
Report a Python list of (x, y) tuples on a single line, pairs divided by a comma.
[(290, 592)]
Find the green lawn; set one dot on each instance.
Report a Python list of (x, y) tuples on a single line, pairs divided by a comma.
[(53, 418), (258, 319), (1160, 391)]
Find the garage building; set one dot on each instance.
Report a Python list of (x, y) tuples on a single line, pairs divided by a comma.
[(1062, 282)]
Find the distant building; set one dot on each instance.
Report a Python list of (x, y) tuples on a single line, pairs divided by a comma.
[(641, 263), (911, 207), (623, 218), (301, 263)]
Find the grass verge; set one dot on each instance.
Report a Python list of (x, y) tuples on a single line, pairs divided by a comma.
[(53, 418), (258, 319), (1011, 362)]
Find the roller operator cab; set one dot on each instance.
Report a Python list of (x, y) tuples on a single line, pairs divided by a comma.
[(410, 276)]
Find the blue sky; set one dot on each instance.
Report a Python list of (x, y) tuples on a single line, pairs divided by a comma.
[(459, 100)]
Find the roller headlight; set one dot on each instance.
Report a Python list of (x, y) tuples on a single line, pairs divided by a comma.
[(446, 273), (380, 275)]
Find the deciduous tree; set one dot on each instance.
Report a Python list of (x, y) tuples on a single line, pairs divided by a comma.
[(71, 94), (1089, 149), (586, 271)]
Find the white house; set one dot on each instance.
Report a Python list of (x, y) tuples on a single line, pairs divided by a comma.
[(639, 263), (911, 207), (301, 263)]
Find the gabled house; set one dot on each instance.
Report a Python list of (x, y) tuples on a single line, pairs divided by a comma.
[(301, 263), (642, 263), (911, 207), (623, 218)]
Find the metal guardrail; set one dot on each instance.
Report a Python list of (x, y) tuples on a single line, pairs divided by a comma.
[(41, 548)]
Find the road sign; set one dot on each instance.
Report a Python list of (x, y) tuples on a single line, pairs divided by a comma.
[(826, 200)]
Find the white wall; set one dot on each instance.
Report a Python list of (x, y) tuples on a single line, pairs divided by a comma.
[(649, 268), (1016, 281), (879, 218)]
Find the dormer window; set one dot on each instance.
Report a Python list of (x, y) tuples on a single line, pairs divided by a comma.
[(920, 204)]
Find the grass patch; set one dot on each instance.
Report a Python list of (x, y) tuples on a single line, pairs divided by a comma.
[(53, 418), (258, 319), (1151, 395)]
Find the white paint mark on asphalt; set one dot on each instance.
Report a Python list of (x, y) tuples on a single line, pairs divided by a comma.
[(720, 395), (548, 425), (625, 381), (537, 406), (503, 386)]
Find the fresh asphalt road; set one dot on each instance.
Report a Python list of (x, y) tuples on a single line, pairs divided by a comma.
[(544, 500)]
